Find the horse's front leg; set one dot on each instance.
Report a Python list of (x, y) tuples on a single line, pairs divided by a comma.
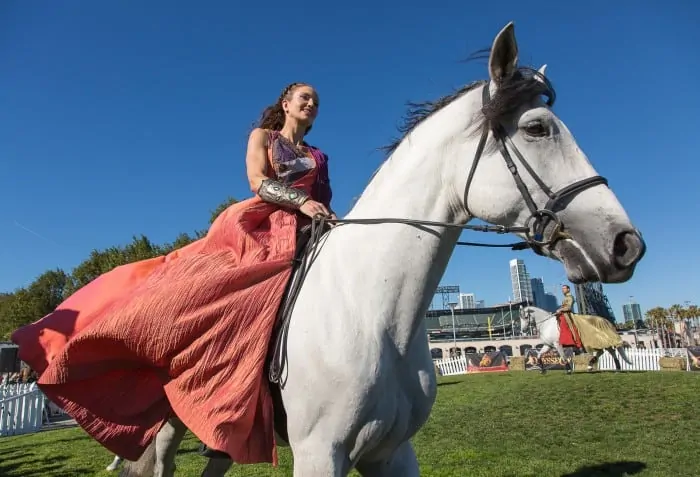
[(543, 350), (319, 458), (217, 467), (402, 463), (562, 357), (167, 442)]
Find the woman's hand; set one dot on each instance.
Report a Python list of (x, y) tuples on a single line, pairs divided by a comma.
[(311, 208)]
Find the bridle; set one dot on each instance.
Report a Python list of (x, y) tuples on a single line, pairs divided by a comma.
[(539, 218)]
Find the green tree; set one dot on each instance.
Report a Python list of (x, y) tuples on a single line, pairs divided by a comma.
[(222, 206), (22, 308), (48, 290), (181, 240)]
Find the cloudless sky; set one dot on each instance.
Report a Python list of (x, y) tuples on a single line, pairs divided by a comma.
[(122, 118)]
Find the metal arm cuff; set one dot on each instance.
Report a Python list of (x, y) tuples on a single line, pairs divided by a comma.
[(277, 193)]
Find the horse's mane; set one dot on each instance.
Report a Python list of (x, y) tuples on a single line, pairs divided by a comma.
[(518, 89)]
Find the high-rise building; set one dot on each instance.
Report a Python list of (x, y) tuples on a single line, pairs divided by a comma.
[(480, 304), (467, 301), (550, 303), (632, 312), (520, 281), (538, 297)]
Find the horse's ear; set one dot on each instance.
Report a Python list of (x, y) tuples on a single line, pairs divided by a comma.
[(542, 70), (504, 54)]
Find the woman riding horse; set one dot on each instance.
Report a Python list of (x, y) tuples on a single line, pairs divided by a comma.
[(187, 333)]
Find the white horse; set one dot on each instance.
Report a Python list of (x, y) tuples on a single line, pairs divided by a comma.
[(548, 327), (359, 381)]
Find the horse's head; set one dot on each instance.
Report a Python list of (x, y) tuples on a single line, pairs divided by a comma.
[(527, 170), (527, 315)]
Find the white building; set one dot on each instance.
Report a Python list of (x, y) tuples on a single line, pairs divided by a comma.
[(467, 301), (520, 281)]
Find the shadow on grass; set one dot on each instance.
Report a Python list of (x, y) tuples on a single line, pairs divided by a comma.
[(40, 467), (447, 383), (183, 451), (609, 469)]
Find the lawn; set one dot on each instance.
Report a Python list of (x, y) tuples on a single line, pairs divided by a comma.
[(491, 425)]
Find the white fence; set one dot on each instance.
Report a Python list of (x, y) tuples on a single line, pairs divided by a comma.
[(451, 366), (642, 360), (21, 409)]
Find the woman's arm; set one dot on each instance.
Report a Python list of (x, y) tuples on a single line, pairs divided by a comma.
[(256, 158), (271, 190)]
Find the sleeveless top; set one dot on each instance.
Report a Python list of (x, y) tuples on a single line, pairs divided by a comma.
[(291, 163)]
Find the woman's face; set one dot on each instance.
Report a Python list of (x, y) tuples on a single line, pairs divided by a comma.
[(302, 104)]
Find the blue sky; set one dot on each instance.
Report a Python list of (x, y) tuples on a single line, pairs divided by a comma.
[(121, 118)]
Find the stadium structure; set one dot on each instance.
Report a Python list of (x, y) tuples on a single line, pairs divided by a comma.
[(448, 294), (500, 321), (592, 300)]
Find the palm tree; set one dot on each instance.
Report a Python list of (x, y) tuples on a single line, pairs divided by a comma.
[(657, 318), (676, 312), (694, 314), (690, 315)]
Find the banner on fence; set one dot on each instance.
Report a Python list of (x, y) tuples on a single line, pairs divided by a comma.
[(694, 357), (486, 362), (550, 360)]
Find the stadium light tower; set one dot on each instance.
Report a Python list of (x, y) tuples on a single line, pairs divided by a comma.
[(452, 306), (634, 323), (510, 314)]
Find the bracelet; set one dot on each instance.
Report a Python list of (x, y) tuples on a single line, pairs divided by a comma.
[(277, 193)]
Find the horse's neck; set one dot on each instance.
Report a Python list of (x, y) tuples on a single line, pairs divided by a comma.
[(407, 260), (547, 327), (543, 319)]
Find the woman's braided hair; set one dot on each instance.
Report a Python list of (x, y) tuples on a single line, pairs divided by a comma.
[(272, 117)]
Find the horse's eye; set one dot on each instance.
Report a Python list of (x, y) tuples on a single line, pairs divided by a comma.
[(535, 129)]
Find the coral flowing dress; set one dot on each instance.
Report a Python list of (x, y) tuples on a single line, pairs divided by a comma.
[(183, 334)]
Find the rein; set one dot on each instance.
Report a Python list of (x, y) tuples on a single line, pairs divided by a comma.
[(499, 229)]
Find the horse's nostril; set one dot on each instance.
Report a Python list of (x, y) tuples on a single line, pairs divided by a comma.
[(620, 247), (628, 249)]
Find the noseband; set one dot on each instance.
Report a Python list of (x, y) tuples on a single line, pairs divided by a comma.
[(539, 218)]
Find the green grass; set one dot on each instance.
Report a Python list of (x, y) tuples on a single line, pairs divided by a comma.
[(491, 425)]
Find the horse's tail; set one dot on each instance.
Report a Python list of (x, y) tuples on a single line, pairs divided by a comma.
[(144, 467), (623, 354)]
